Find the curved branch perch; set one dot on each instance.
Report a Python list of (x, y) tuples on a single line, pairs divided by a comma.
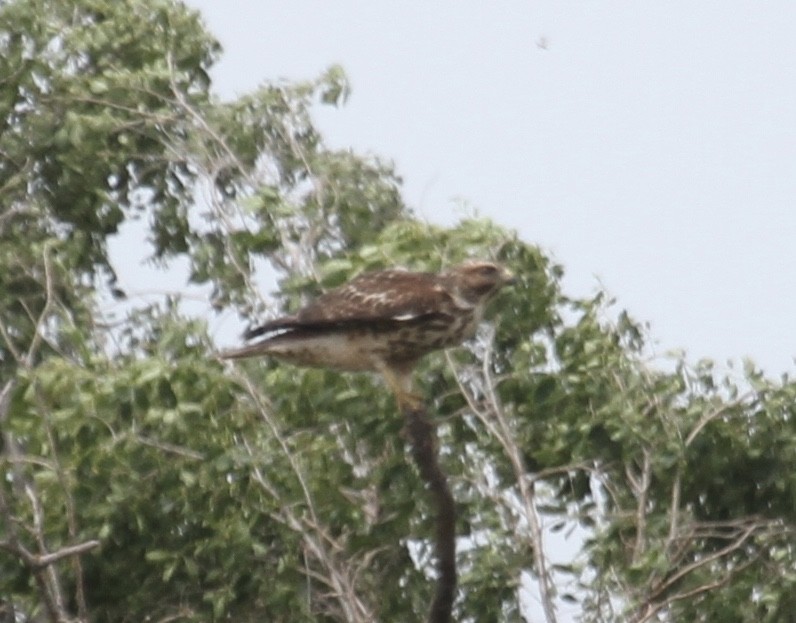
[(424, 450)]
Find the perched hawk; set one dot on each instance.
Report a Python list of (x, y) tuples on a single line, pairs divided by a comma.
[(382, 321)]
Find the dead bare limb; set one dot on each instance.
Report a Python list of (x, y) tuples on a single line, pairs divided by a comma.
[(38, 561), (640, 485), (492, 415), (424, 450), (42, 561), (337, 575), (712, 415)]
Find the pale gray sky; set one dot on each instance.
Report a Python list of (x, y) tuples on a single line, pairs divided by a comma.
[(651, 145)]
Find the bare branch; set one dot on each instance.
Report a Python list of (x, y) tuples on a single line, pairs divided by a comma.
[(53, 580), (9, 342), (650, 610), (170, 448), (494, 419), (641, 488), (736, 544), (317, 541), (38, 561), (49, 301), (742, 531), (674, 508), (424, 449), (712, 415)]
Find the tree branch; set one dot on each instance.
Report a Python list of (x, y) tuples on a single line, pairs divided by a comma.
[(39, 561), (317, 541), (657, 600), (641, 489), (493, 417), (712, 415), (424, 450)]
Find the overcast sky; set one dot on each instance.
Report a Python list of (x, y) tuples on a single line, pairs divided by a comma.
[(649, 146)]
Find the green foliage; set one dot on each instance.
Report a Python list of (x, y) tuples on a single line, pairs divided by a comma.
[(87, 109), (198, 492)]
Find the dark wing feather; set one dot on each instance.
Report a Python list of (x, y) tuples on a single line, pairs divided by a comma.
[(278, 324), (383, 294), (383, 298)]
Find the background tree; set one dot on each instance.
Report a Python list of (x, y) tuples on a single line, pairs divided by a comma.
[(144, 480)]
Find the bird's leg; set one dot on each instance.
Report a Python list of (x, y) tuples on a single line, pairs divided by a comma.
[(400, 382), (410, 402)]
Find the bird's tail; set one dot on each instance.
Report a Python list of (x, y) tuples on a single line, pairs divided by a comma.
[(244, 352)]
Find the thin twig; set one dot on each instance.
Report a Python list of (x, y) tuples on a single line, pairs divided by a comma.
[(641, 487), (170, 448), (712, 415), (493, 417), (314, 537)]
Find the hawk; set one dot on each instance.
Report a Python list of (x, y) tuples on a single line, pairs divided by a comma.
[(383, 321)]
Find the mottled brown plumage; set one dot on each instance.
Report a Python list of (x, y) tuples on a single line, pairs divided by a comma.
[(382, 322)]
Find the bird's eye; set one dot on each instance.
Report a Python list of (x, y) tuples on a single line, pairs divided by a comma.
[(488, 271)]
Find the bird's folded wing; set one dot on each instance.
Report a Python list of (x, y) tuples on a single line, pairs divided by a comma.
[(381, 299)]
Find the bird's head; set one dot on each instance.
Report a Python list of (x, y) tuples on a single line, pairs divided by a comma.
[(477, 281)]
